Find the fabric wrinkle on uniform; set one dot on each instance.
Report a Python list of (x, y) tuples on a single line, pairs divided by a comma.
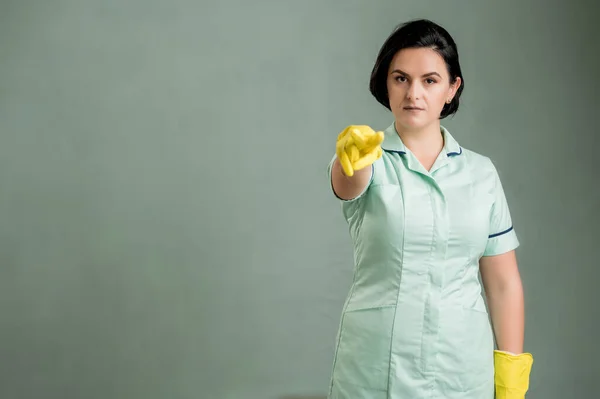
[(414, 323)]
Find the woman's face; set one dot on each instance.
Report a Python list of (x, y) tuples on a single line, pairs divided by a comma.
[(418, 87)]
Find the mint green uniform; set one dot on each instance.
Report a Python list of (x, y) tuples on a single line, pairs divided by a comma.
[(414, 324)]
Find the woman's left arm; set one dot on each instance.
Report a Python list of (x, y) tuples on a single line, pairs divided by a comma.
[(504, 293)]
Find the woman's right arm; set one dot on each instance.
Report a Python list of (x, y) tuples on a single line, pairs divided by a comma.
[(349, 187)]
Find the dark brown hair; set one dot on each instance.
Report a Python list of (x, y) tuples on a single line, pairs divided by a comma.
[(415, 34)]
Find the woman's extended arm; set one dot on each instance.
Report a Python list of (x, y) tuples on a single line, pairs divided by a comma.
[(504, 293)]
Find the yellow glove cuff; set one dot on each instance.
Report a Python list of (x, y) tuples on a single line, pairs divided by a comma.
[(512, 374)]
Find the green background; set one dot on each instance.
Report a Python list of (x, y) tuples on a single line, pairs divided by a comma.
[(167, 227)]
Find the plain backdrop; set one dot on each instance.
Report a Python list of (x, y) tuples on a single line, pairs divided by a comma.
[(167, 227)]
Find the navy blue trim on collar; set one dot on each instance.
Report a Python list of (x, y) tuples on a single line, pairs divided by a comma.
[(394, 151), (392, 142), (452, 154)]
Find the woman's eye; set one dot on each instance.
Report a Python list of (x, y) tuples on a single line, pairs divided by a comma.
[(430, 81), (400, 78)]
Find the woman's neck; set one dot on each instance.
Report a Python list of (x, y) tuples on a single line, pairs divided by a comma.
[(428, 141)]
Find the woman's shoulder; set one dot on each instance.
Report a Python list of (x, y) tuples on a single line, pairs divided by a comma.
[(477, 159), (466, 157), (478, 164)]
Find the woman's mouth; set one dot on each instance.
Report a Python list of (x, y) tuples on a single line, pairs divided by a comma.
[(409, 108)]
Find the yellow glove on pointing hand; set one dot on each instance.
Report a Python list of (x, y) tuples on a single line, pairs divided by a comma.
[(358, 146), (512, 374)]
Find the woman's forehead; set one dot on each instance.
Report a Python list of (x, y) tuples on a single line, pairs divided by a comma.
[(418, 61)]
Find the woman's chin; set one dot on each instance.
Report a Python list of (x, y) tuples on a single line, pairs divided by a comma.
[(411, 123)]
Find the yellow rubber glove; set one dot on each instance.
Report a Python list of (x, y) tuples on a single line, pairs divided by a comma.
[(358, 146), (512, 374)]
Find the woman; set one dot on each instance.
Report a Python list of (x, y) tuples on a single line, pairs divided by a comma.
[(426, 216)]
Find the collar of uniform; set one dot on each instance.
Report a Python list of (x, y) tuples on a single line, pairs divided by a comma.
[(451, 146), (393, 143)]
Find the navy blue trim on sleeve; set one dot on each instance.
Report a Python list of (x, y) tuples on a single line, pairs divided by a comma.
[(501, 233)]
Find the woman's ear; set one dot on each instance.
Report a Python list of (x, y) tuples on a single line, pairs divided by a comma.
[(454, 88)]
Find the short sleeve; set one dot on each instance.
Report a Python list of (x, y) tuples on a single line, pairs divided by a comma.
[(502, 236)]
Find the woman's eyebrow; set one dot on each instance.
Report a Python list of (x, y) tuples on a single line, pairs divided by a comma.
[(424, 76)]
